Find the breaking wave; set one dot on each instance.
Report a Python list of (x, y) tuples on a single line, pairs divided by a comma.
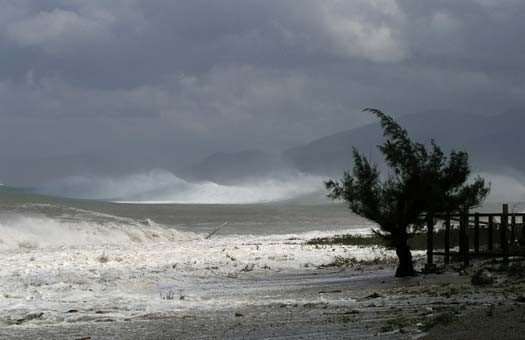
[(160, 186), (36, 231)]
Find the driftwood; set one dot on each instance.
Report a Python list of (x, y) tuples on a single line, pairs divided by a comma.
[(216, 230)]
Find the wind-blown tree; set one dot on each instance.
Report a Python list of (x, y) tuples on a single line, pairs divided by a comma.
[(421, 180)]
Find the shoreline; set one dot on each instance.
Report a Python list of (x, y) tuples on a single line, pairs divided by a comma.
[(237, 287)]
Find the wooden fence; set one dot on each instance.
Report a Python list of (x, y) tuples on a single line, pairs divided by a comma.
[(469, 235)]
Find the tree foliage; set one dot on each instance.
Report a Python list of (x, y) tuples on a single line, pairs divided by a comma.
[(421, 180)]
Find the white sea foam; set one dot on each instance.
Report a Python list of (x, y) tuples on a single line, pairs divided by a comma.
[(134, 279), (161, 186)]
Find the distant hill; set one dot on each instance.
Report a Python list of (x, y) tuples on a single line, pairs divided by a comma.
[(234, 167), (493, 142)]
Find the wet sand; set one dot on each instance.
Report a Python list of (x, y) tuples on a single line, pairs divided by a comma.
[(328, 303)]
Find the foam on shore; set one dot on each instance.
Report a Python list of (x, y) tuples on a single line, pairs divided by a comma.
[(132, 279)]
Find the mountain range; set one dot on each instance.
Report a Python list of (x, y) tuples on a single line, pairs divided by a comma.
[(494, 144)]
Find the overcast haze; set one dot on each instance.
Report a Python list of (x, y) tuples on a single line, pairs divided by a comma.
[(124, 86)]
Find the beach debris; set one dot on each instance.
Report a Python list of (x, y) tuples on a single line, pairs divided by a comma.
[(349, 312), (395, 325), (232, 275), (330, 291), (29, 317), (340, 261), (482, 277), (248, 267), (103, 258), (216, 230), (239, 314), (440, 319), (491, 309), (520, 298), (374, 295), (168, 294)]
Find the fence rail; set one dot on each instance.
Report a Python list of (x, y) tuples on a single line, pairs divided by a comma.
[(493, 234)]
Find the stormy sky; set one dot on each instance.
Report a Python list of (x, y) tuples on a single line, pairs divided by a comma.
[(159, 84)]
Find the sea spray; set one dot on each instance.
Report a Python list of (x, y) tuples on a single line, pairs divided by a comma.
[(159, 186)]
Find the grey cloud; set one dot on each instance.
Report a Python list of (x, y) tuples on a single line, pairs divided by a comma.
[(180, 79), (356, 29)]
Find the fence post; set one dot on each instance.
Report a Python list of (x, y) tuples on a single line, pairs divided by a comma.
[(476, 233), (430, 243), (523, 228), (512, 228), (463, 238), (491, 232), (447, 238), (503, 233)]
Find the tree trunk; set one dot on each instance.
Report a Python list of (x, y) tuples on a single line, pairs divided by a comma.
[(406, 266)]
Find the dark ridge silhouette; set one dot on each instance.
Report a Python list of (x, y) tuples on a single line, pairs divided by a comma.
[(234, 167), (493, 142)]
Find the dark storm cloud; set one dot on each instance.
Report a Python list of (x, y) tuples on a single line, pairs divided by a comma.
[(154, 80)]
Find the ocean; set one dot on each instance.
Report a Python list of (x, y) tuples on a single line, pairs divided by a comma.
[(30, 216)]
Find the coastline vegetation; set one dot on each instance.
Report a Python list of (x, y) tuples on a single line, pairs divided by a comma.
[(421, 182), (417, 241)]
